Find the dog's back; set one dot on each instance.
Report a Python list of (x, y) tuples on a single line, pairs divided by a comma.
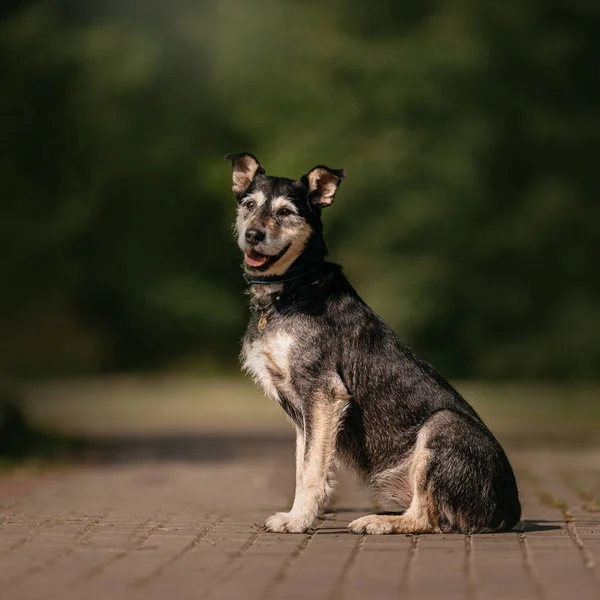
[(400, 408)]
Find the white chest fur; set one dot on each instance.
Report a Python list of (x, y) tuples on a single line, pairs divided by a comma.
[(267, 360)]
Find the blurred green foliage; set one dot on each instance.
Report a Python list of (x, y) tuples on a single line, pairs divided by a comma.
[(470, 133)]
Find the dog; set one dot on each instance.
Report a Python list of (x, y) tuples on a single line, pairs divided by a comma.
[(353, 391)]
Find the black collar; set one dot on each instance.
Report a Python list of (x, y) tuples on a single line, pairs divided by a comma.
[(290, 275)]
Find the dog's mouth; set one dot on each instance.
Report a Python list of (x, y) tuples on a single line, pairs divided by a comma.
[(259, 262)]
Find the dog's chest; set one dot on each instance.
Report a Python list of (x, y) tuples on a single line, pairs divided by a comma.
[(267, 359)]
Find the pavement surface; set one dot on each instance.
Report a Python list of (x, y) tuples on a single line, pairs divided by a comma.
[(178, 517)]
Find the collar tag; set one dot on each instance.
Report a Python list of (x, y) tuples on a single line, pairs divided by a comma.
[(262, 322)]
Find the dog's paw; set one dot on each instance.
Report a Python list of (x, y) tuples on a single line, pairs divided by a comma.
[(286, 523), (372, 525)]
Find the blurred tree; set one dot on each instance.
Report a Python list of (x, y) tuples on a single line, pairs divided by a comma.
[(111, 232), (470, 134)]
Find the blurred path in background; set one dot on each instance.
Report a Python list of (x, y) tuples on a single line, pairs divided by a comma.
[(180, 474)]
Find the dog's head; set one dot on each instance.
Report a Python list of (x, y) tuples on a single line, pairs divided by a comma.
[(279, 219)]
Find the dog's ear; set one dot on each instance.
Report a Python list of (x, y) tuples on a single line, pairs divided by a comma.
[(322, 183), (245, 168)]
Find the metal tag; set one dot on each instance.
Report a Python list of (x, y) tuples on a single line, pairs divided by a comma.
[(262, 322)]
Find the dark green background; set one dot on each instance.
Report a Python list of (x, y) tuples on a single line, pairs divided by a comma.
[(470, 133)]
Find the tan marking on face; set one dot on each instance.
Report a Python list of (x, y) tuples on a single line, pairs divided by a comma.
[(299, 241), (282, 202), (243, 220), (257, 197)]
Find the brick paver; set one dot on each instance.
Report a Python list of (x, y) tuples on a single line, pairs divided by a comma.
[(183, 524)]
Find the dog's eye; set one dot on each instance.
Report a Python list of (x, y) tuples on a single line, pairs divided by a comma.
[(284, 212), (250, 205)]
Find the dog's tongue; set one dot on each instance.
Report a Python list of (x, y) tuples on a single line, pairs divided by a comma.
[(255, 259)]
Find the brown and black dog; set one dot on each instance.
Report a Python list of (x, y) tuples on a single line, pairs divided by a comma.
[(352, 389)]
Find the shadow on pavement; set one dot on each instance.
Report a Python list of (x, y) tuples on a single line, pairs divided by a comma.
[(530, 525)]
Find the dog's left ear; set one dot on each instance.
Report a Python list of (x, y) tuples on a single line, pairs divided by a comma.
[(245, 168), (322, 183)]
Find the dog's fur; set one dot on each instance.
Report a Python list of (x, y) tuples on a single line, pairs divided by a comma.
[(351, 388)]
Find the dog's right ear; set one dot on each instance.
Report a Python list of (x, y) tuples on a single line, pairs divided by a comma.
[(245, 168)]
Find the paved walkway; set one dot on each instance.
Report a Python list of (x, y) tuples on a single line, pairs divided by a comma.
[(177, 518)]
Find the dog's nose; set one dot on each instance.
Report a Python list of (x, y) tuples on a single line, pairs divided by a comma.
[(254, 235)]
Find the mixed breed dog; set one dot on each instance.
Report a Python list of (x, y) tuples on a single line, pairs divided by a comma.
[(353, 391)]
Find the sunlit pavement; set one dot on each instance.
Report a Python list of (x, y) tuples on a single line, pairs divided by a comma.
[(179, 517), (171, 506)]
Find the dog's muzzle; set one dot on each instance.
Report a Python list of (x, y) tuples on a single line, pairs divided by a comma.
[(254, 236)]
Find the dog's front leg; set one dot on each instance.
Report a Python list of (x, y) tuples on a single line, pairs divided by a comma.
[(315, 452)]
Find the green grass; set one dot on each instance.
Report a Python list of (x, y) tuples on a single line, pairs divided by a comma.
[(524, 412)]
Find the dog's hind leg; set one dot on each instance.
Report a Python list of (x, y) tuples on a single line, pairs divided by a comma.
[(315, 448), (421, 515)]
